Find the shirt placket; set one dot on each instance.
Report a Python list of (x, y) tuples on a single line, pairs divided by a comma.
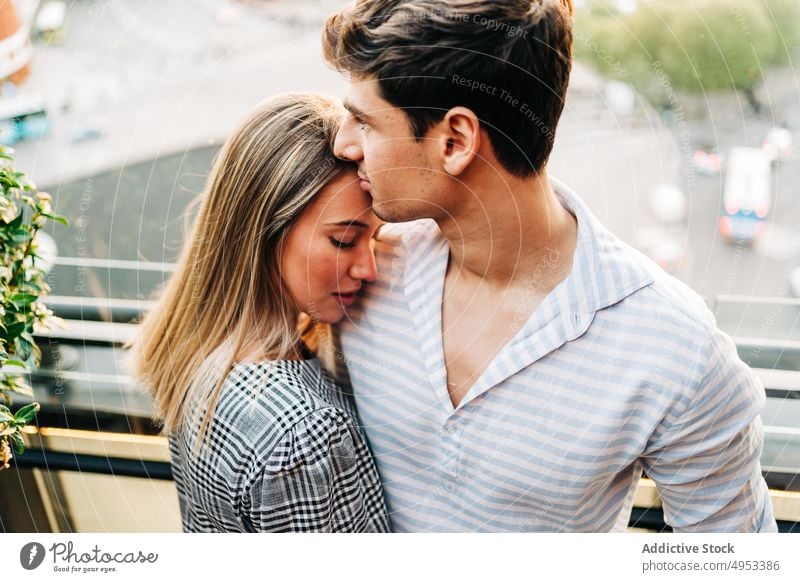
[(451, 477)]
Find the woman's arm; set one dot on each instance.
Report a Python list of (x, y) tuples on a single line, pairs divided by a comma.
[(319, 478)]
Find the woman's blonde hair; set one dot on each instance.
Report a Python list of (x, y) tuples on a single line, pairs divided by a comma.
[(227, 290)]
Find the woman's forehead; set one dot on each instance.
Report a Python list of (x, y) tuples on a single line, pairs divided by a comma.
[(342, 201)]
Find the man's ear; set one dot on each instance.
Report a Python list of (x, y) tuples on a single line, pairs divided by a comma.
[(460, 139)]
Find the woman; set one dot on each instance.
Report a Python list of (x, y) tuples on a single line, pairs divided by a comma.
[(261, 438)]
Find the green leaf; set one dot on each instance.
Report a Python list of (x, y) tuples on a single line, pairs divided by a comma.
[(57, 218), (31, 287), (6, 417), (19, 444), (27, 413), (21, 235), (14, 224), (8, 181), (15, 328), (23, 300), (24, 348), (16, 363)]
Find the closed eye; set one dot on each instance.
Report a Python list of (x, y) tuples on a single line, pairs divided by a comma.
[(341, 244)]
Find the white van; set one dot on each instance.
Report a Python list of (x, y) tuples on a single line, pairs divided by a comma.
[(746, 200)]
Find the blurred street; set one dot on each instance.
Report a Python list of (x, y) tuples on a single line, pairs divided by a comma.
[(140, 93), (762, 270)]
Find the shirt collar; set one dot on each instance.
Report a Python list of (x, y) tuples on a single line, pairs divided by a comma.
[(604, 271)]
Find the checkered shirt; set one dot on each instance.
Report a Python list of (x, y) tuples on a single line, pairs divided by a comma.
[(284, 455)]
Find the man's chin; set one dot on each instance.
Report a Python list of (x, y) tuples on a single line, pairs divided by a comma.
[(393, 211)]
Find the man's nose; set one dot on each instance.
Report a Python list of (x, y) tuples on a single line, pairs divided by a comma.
[(346, 145)]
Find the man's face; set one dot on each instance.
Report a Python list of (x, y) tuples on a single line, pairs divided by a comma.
[(403, 175)]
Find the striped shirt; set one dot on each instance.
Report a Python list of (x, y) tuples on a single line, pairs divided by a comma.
[(621, 369), (284, 456)]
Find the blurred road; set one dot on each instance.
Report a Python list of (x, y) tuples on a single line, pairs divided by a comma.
[(161, 78), (720, 268)]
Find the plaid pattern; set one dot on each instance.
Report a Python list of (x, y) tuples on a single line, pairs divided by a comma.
[(284, 455)]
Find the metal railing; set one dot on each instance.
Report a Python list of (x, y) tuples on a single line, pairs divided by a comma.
[(766, 333)]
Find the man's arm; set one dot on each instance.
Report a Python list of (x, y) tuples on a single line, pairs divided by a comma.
[(706, 460)]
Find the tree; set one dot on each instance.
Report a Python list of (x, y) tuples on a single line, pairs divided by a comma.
[(23, 212), (697, 46)]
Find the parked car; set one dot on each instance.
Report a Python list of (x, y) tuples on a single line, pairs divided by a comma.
[(708, 163), (49, 24), (794, 282), (778, 144), (22, 117), (668, 203), (664, 246)]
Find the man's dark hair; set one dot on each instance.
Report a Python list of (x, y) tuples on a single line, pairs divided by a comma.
[(506, 60)]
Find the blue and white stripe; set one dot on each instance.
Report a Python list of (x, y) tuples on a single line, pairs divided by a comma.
[(620, 369)]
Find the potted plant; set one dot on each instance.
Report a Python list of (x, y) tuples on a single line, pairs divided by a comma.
[(23, 212)]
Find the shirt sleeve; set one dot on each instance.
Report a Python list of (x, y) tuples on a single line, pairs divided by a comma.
[(317, 479), (705, 461)]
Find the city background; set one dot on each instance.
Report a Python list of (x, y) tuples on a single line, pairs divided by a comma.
[(117, 108), (140, 94)]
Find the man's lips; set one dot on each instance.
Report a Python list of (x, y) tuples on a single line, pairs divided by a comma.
[(364, 183)]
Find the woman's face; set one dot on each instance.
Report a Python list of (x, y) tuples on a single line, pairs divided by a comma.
[(328, 253)]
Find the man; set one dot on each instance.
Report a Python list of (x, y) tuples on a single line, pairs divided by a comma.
[(516, 366)]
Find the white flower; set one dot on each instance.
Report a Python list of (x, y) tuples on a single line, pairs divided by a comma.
[(46, 207), (5, 453), (8, 211)]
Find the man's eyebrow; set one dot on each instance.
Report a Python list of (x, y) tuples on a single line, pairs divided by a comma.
[(355, 110), (355, 223)]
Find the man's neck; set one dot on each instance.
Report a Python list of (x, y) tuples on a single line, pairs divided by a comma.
[(510, 229)]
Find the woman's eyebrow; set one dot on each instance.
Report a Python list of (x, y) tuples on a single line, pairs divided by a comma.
[(348, 223)]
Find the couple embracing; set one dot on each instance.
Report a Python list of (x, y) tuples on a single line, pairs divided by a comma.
[(389, 318)]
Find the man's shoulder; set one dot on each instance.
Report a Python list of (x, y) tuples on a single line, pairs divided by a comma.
[(667, 313), (653, 299), (670, 298)]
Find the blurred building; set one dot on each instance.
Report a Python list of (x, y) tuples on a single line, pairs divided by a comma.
[(15, 46)]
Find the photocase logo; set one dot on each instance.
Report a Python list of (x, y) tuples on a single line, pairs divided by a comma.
[(31, 555)]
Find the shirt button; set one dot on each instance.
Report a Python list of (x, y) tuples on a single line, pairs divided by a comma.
[(449, 429)]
